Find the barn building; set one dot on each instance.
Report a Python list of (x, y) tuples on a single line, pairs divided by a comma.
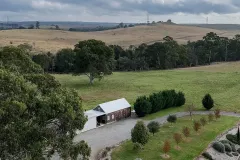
[(106, 113)]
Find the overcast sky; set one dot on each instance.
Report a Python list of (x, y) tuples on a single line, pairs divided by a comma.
[(180, 11)]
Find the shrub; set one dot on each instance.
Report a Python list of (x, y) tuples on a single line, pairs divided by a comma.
[(169, 96), (162, 100), (177, 137), (235, 154), (190, 109), (207, 156), (233, 147), (157, 102), (137, 146), (230, 143), (208, 102), (238, 150), (228, 148), (108, 149), (153, 127), (140, 133), (196, 126), (229, 154), (166, 147), (217, 113), (238, 135), (142, 106), (203, 121), (104, 154), (232, 138), (218, 146), (225, 141), (180, 100), (210, 117), (172, 118), (186, 131)]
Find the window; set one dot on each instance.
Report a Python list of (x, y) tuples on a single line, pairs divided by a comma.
[(108, 118), (112, 116)]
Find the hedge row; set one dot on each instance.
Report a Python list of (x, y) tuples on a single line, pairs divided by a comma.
[(158, 101)]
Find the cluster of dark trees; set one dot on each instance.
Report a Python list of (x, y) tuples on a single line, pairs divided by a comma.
[(100, 28), (92, 58), (167, 54), (38, 116), (158, 101)]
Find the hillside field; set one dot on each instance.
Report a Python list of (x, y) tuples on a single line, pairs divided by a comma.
[(220, 80), (53, 40)]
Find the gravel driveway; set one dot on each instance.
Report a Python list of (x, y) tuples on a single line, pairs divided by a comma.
[(117, 132)]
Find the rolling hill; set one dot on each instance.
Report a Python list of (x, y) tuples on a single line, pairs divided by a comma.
[(53, 40)]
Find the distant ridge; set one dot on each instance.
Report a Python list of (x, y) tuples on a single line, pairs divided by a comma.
[(217, 26)]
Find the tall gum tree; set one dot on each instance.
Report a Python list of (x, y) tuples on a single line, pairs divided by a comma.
[(94, 59), (38, 117)]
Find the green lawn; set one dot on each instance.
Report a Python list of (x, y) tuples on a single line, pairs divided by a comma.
[(221, 81), (189, 150)]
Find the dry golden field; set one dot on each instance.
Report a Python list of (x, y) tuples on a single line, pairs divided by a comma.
[(52, 40)]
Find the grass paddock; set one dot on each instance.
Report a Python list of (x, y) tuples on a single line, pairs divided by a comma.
[(220, 80)]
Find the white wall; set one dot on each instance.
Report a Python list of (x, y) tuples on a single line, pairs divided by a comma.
[(90, 124)]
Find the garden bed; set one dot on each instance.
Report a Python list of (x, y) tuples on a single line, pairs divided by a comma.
[(227, 155), (189, 150)]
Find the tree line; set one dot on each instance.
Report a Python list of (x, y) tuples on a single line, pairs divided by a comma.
[(169, 54), (100, 59), (100, 28)]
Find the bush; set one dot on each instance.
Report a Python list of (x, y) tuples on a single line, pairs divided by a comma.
[(142, 106), (238, 135), (218, 146), (233, 147), (157, 101), (238, 150), (196, 126), (153, 127), (137, 146), (229, 154), (140, 133), (230, 143), (162, 100), (172, 119), (186, 131), (228, 148), (203, 121), (207, 156), (177, 137), (169, 96), (166, 147), (180, 100), (108, 149), (208, 102), (232, 138), (225, 141), (217, 113), (210, 117), (235, 154), (104, 154)]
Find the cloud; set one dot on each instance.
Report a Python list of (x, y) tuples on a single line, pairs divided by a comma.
[(44, 4), (104, 9)]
